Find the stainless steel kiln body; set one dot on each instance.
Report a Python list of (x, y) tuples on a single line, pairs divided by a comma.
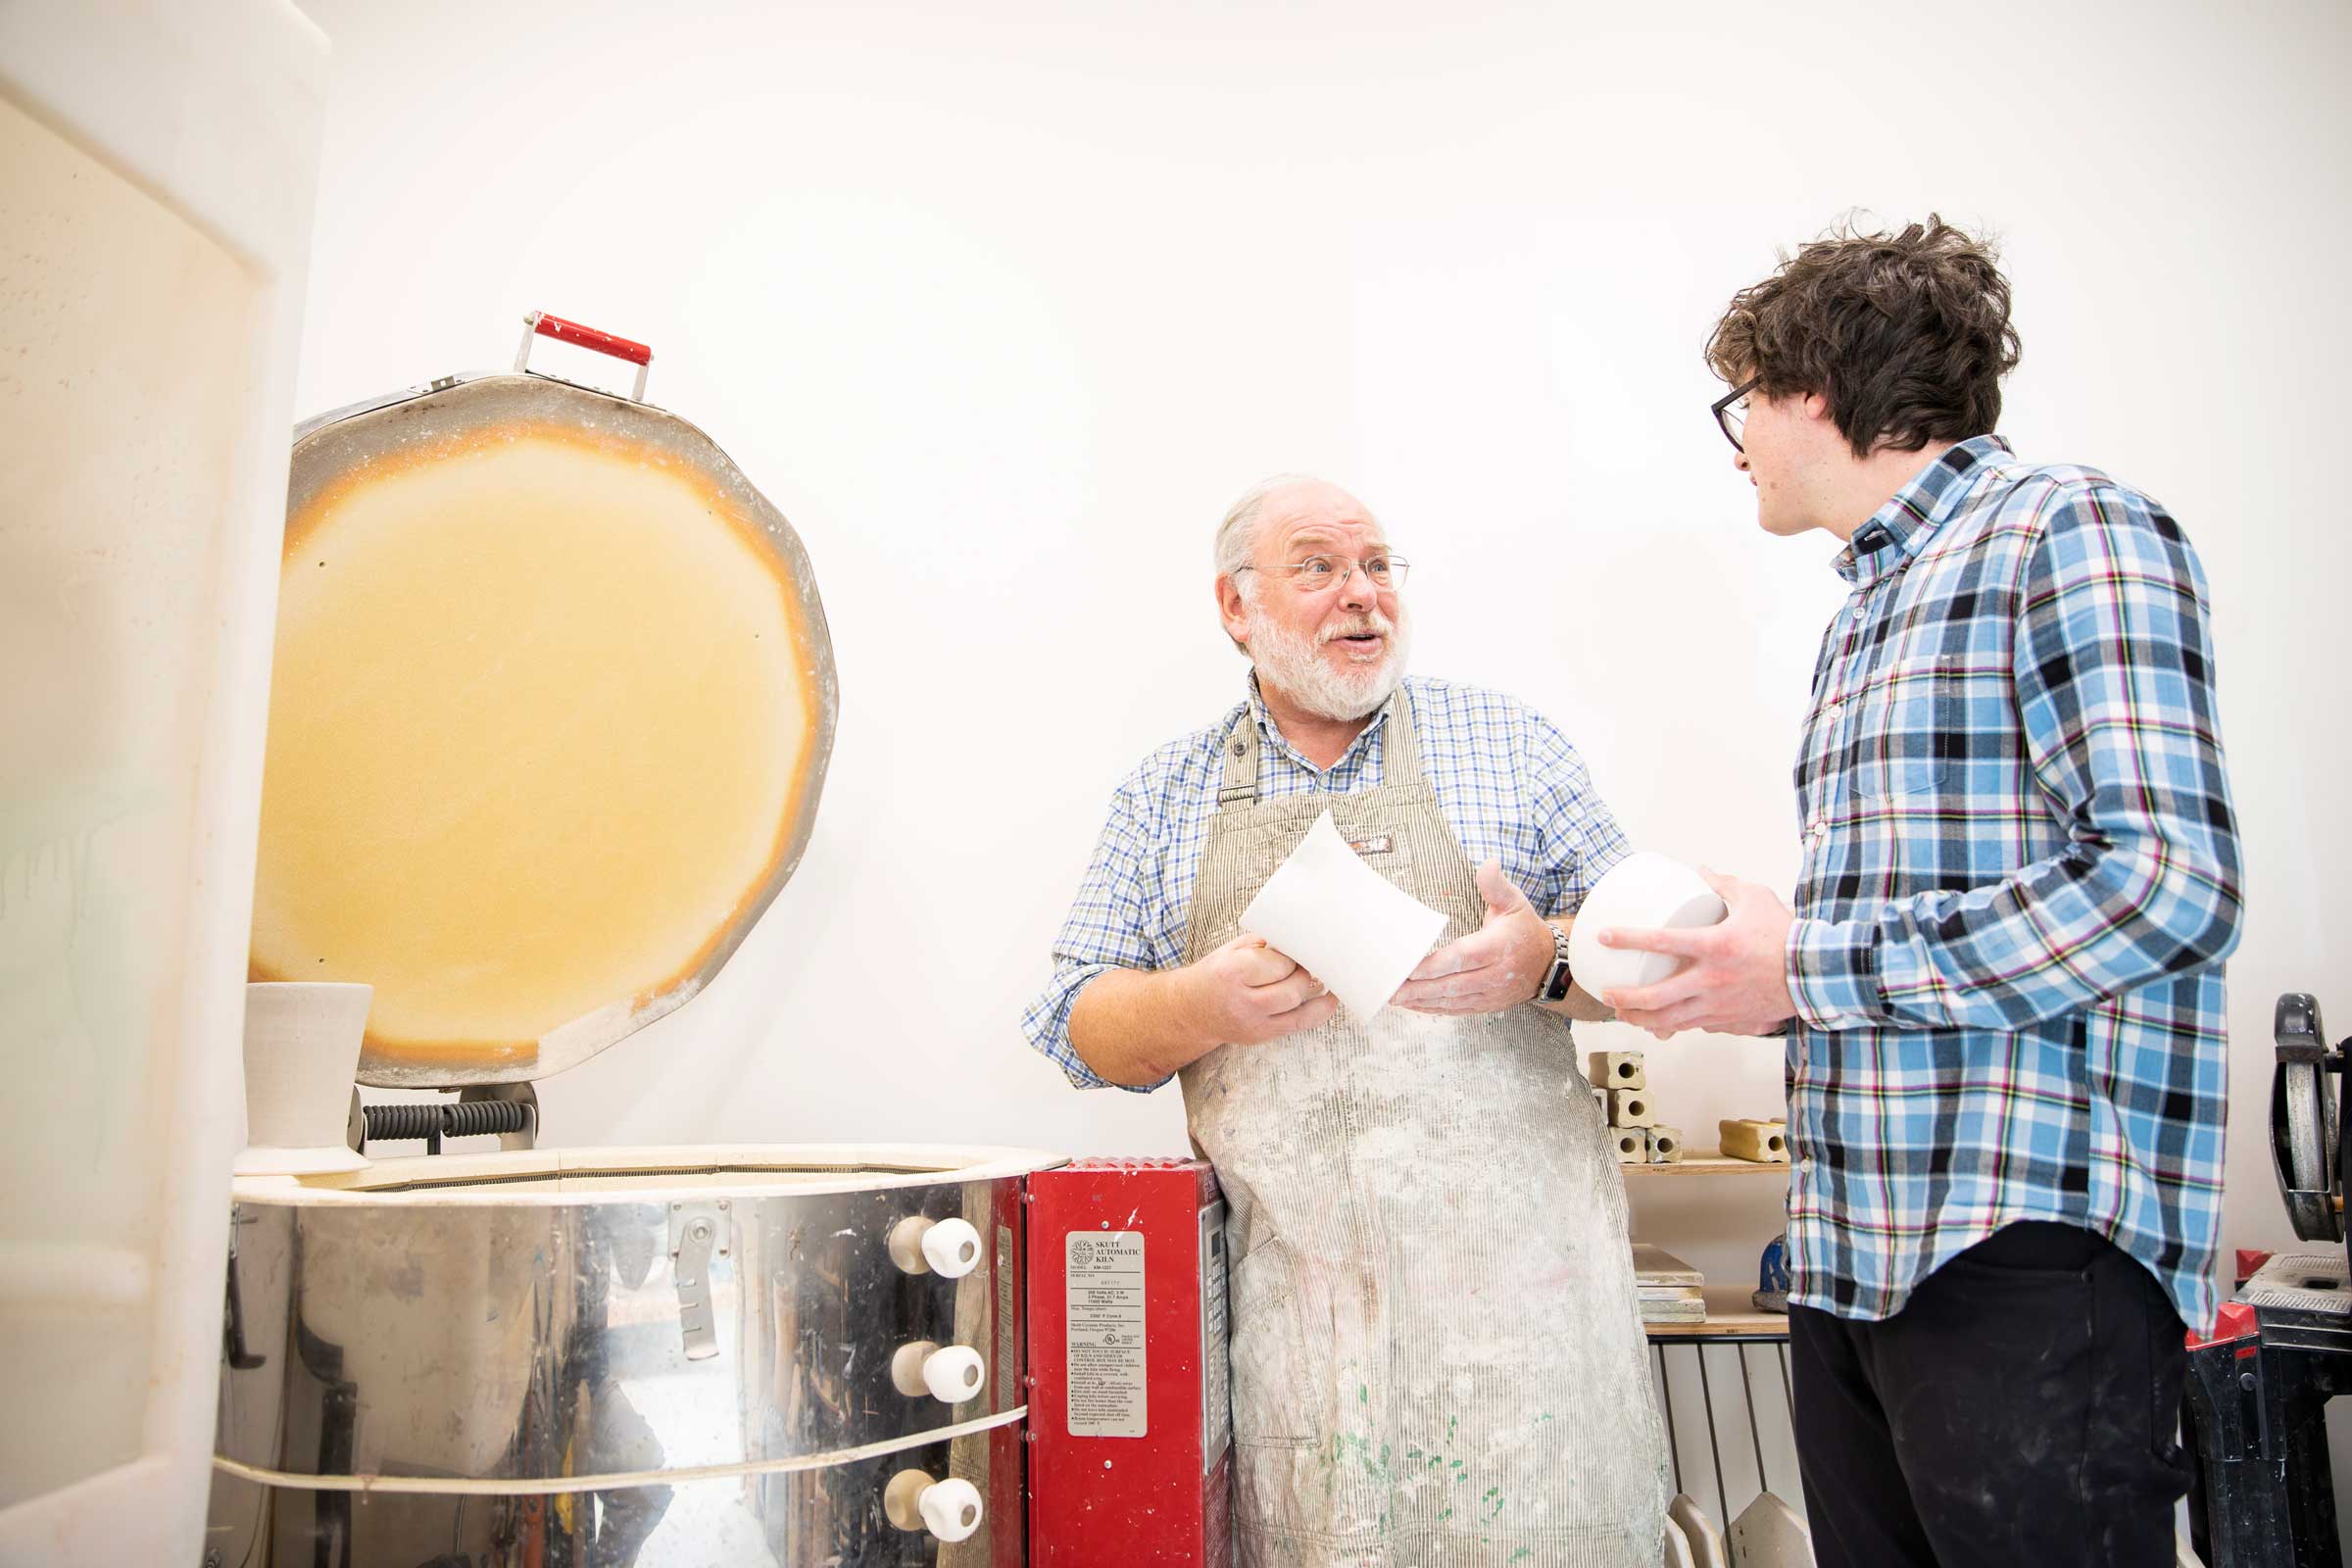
[(519, 1366)]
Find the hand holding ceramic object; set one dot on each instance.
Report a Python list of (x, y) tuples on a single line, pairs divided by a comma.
[(1343, 922), (302, 1049), (1644, 892)]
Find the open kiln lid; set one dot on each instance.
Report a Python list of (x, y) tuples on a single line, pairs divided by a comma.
[(551, 711)]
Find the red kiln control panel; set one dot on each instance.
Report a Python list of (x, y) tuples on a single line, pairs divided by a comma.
[(1130, 1418)]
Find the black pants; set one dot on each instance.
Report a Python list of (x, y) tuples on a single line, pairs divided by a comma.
[(2022, 1409)]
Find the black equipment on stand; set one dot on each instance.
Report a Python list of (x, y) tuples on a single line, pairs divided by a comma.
[(2259, 1384), (2308, 1119)]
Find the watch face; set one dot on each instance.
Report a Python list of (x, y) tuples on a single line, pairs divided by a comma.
[(1557, 979)]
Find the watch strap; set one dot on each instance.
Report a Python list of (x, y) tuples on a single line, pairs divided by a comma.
[(1556, 979)]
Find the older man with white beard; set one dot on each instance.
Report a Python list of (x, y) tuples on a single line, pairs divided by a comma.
[(1437, 1348)]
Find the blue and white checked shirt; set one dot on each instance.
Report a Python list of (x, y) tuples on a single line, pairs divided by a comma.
[(2021, 877), (1507, 782)]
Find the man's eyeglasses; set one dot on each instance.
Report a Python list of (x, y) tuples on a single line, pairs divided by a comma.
[(1730, 410), (1318, 572)]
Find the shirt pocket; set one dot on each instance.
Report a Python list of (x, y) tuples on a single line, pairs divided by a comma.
[(1904, 728)]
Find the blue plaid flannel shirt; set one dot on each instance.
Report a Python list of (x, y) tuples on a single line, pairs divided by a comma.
[(2021, 877), (1507, 782)]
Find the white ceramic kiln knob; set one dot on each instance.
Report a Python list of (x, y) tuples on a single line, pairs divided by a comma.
[(951, 1248), (954, 1374), (952, 1508), (951, 1376)]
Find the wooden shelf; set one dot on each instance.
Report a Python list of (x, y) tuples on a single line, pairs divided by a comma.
[(1710, 1162), (1731, 1313)]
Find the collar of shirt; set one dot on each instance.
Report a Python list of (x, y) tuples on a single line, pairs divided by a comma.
[(1901, 529), (1275, 737)]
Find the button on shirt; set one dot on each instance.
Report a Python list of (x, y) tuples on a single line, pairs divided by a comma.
[(1507, 782), (2021, 874)]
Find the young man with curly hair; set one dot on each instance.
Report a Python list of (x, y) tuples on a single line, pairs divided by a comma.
[(2001, 984)]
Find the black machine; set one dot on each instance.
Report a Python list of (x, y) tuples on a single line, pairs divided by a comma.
[(2260, 1380), (2308, 1118)]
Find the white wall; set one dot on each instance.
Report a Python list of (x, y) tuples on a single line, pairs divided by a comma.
[(1000, 305)]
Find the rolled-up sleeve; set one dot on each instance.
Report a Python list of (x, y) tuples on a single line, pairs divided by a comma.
[(1105, 930)]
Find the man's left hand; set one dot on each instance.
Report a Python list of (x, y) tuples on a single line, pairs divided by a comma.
[(1496, 966), (1737, 982)]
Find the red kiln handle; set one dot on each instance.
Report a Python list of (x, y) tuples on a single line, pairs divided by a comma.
[(588, 337), (541, 325)]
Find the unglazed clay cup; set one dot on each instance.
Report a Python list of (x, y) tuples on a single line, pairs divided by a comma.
[(302, 1049), (1645, 891)]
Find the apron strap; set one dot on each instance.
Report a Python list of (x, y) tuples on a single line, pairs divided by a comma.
[(1401, 748), (1239, 786), (1400, 754)]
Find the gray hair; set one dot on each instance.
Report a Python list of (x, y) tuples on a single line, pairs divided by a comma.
[(1237, 534)]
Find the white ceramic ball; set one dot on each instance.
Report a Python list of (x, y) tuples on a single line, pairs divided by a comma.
[(1645, 891)]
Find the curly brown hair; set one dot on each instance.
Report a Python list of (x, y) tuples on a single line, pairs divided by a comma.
[(1907, 335)]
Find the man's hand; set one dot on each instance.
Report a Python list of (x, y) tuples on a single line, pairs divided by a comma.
[(1738, 980), (1496, 966), (1246, 992)]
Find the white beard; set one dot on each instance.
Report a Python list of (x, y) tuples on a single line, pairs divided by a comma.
[(1293, 664)]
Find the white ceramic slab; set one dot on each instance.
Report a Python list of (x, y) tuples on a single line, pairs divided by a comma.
[(158, 166), (1342, 921)]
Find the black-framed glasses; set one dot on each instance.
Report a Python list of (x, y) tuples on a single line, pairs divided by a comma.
[(1730, 410), (1317, 573)]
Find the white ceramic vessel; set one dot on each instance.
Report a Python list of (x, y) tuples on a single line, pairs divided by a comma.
[(302, 1045), (1643, 891)]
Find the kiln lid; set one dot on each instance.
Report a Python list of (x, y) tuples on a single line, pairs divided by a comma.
[(551, 711)]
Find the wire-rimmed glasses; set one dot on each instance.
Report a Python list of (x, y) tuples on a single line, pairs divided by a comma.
[(1315, 574)]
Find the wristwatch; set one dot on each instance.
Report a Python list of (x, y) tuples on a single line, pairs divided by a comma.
[(1556, 979)]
